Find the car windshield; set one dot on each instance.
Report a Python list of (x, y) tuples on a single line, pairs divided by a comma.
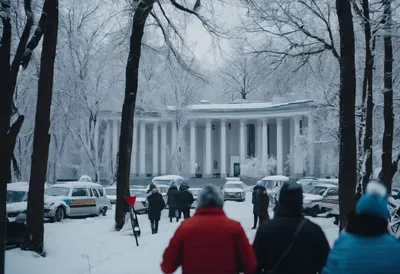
[(111, 191), (233, 186), (16, 196), (56, 191), (138, 193), (269, 183), (307, 188), (162, 182), (318, 190)]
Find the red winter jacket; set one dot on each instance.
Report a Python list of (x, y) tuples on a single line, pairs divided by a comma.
[(210, 243)]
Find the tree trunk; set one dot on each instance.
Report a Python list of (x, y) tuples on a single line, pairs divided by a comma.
[(347, 98), (41, 139), (369, 65), (128, 110), (387, 142)]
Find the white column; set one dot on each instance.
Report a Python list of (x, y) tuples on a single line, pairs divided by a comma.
[(242, 146), (223, 149), (264, 144), (134, 149), (311, 144), (163, 148), (142, 161), (173, 139), (114, 141), (298, 155), (192, 148), (208, 150), (279, 147), (155, 149)]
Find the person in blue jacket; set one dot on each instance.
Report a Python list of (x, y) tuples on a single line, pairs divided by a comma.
[(366, 247)]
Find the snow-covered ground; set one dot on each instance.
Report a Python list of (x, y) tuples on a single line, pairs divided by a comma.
[(90, 246)]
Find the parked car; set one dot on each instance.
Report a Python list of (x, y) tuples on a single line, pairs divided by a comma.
[(111, 193), (273, 185), (307, 184), (195, 192), (85, 178), (234, 189), (17, 198), (168, 180), (141, 204), (324, 197), (75, 199)]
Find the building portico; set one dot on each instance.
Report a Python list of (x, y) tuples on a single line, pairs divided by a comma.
[(214, 140)]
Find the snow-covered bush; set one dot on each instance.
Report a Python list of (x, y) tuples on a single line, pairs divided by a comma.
[(255, 168)]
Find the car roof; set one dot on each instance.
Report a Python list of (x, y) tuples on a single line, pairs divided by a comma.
[(329, 181), (327, 185), (233, 182), (232, 179), (76, 184), (18, 186), (276, 178), (168, 177)]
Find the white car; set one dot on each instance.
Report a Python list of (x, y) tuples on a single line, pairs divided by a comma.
[(141, 204), (273, 185), (17, 198), (195, 192), (168, 180), (234, 189), (111, 193), (85, 178), (75, 199), (324, 197)]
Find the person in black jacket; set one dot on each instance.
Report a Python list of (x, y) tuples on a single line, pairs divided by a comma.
[(256, 197), (173, 203), (156, 205), (186, 200), (310, 248)]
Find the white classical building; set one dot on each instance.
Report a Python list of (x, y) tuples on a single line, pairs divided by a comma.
[(214, 140)]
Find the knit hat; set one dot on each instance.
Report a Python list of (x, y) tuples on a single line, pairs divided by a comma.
[(374, 201), (210, 196), (291, 197)]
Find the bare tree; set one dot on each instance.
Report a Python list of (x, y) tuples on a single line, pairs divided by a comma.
[(347, 123), (141, 11), (242, 74)]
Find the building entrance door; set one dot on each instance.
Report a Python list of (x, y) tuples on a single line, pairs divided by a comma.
[(236, 170)]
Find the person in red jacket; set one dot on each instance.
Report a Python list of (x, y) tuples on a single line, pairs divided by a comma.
[(209, 242)]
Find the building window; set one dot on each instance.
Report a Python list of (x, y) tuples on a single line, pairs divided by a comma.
[(301, 127), (251, 137), (213, 127), (229, 125)]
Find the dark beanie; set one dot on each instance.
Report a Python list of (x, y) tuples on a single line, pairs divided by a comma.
[(291, 197)]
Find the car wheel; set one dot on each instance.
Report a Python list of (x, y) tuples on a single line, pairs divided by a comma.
[(59, 215), (104, 211), (314, 211)]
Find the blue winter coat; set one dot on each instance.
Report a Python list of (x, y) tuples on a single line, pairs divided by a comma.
[(257, 192), (353, 254)]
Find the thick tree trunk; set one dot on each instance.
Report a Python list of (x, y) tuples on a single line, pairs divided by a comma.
[(369, 65), (128, 110), (347, 97), (387, 142), (41, 139)]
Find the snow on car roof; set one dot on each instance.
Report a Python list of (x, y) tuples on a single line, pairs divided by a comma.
[(327, 185), (233, 182), (232, 179), (329, 181), (63, 184), (168, 177), (18, 186), (276, 178)]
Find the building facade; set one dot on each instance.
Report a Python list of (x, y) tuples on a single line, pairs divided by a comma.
[(214, 140)]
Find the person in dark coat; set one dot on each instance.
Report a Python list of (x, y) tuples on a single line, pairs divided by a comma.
[(257, 191), (310, 248), (263, 209), (150, 188), (209, 242), (173, 202), (186, 200), (156, 205)]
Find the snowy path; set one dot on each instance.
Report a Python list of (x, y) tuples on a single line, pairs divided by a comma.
[(89, 246)]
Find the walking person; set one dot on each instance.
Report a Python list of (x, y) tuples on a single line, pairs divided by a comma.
[(289, 243), (256, 196), (366, 246), (173, 202), (209, 242), (263, 208), (186, 200), (156, 205)]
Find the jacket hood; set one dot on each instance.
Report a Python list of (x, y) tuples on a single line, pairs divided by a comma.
[(291, 197), (210, 196)]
